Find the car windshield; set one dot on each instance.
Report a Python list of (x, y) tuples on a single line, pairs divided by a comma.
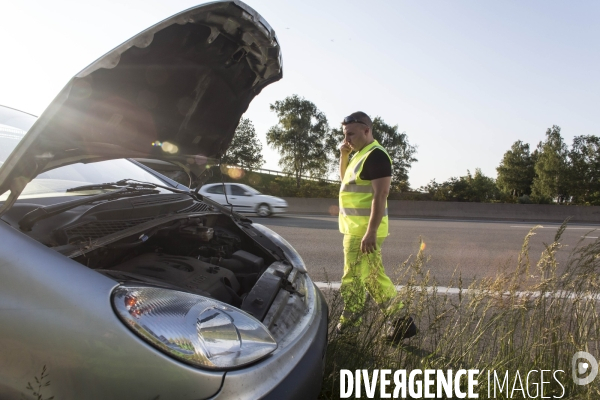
[(13, 126)]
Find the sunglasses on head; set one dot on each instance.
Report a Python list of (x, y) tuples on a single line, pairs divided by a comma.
[(351, 120)]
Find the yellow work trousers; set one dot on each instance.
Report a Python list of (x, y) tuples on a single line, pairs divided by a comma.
[(365, 272)]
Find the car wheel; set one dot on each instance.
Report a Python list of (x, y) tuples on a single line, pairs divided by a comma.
[(263, 210)]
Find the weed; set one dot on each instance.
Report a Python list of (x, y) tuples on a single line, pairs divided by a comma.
[(41, 383)]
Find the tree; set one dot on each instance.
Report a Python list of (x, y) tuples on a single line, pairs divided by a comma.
[(551, 167), (517, 170), (398, 148), (584, 170), (301, 137), (478, 188), (482, 188), (397, 145), (245, 149)]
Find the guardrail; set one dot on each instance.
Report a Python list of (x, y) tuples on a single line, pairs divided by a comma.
[(287, 174)]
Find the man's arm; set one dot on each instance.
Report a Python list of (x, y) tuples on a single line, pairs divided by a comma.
[(381, 189)]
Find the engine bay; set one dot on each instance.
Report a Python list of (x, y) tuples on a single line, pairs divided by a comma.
[(170, 241), (199, 255)]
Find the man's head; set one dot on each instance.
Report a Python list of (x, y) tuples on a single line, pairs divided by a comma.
[(358, 130)]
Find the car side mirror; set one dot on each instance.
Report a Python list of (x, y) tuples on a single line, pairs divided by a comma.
[(248, 194)]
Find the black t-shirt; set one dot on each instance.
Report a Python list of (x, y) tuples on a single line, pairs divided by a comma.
[(377, 165)]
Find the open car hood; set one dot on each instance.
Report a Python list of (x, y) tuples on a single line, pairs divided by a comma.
[(174, 92)]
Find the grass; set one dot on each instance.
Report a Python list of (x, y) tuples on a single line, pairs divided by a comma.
[(39, 386), (534, 318)]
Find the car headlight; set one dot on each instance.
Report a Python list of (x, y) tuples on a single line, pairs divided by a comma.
[(195, 329), (291, 253)]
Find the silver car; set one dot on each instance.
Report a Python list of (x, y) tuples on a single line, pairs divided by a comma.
[(244, 199), (118, 283)]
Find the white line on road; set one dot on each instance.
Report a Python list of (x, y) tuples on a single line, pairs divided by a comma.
[(450, 290), (546, 227), (441, 289), (590, 237)]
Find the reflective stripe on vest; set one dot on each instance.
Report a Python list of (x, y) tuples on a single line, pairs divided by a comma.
[(348, 187), (356, 197), (359, 211)]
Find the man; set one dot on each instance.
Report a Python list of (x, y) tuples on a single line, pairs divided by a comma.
[(364, 222)]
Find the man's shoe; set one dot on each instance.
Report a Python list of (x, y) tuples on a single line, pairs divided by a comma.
[(400, 329)]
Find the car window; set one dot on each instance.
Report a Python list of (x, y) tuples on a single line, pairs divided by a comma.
[(216, 189), (13, 126), (55, 182), (9, 137), (238, 191), (251, 190)]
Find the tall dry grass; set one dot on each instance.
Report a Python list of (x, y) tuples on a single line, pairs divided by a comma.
[(533, 318)]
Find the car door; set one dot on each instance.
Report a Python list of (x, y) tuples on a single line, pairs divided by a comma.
[(241, 199), (215, 193)]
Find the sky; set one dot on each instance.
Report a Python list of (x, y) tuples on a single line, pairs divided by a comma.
[(464, 78)]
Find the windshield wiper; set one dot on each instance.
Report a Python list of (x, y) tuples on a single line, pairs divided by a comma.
[(135, 183), (114, 185), (43, 212)]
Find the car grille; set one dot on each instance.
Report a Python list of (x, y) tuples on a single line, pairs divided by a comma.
[(97, 229), (195, 208), (157, 200)]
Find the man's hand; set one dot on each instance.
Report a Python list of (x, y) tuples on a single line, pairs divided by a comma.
[(368, 244), (345, 149), (381, 188)]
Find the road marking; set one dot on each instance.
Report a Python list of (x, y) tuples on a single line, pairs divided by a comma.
[(547, 227), (441, 289), (590, 237), (451, 290)]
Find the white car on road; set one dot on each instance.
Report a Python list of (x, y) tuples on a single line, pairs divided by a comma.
[(244, 199)]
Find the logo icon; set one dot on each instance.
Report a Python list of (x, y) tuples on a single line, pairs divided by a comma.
[(580, 368)]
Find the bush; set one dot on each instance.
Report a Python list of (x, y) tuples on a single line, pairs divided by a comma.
[(524, 199), (276, 185)]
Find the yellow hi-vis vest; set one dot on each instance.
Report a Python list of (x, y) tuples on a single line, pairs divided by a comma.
[(356, 197)]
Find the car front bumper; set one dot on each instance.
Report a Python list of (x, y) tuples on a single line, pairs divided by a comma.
[(279, 209)]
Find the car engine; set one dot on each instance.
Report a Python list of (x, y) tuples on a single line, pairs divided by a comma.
[(170, 241)]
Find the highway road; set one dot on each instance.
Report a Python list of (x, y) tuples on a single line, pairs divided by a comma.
[(476, 249)]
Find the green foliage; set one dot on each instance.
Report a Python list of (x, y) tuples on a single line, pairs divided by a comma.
[(516, 170), (301, 137), (397, 146), (286, 187), (399, 149), (478, 188), (245, 148), (584, 170), (551, 167), (281, 186), (552, 172)]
